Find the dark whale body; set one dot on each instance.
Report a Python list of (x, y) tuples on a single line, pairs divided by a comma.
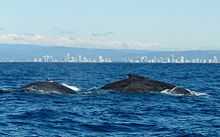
[(4, 91), (48, 86), (136, 83)]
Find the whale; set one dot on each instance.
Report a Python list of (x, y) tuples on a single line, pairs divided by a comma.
[(3, 91), (50, 87), (137, 83)]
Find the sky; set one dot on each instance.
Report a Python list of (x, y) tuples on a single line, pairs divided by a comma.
[(112, 24)]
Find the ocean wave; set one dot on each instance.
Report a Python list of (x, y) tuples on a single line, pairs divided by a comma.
[(41, 113)]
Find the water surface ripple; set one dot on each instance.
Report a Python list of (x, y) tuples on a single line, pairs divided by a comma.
[(98, 113)]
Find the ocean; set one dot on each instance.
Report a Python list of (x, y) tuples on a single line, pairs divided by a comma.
[(96, 113)]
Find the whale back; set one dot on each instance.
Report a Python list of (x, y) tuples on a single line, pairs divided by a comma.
[(47, 86), (136, 77), (138, 83)]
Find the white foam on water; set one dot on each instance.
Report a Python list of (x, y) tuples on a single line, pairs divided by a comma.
[(167, 91), (192, 93), (93, 88), (74, 88), (48, 92)]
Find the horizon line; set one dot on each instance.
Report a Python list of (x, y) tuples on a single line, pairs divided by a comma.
[(118, 49)]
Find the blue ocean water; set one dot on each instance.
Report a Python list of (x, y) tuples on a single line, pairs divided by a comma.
[(94, 113)]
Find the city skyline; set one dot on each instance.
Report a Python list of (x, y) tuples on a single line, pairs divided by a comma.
[(138, 59), (68, 58), (24, 53)]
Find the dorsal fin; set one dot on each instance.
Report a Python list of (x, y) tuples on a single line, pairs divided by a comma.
[(136, 77)]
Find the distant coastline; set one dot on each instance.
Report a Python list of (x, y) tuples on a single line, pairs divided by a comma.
[(38, 53)]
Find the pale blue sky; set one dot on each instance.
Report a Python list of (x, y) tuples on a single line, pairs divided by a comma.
[(173, 24)]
